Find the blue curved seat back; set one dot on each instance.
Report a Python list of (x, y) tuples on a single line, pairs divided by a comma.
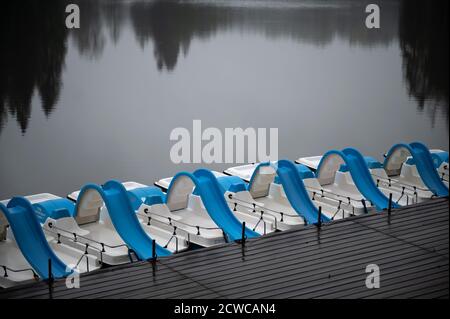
[(53, 208)]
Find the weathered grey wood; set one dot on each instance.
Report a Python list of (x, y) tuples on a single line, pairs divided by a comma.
[(410, 246)]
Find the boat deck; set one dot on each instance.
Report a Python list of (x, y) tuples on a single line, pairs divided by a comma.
[(410, 246)]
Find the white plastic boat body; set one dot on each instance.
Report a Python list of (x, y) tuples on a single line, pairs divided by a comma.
[(275, 207), (408, 183), (12, 258), (114, 251), (70, 256), (333, 198), (193, 221), (18, 269), (406, 188)]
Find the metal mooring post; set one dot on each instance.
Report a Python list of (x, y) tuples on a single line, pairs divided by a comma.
[(50, 274), (153, 250), (319, 218), (50, 279), (390, 204), (153, 259), (243, 234), (364, 205)]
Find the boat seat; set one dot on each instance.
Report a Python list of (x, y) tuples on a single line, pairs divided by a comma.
[(179, 199), (261, 182), (89, 207)]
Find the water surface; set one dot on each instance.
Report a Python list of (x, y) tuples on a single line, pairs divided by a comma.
[(100, 102)]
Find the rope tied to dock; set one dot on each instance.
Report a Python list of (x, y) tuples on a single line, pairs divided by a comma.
[(337, 211), (401, 195), (261, 218), (170, 240)]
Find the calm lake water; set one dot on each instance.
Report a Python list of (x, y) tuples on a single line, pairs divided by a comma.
[(100, 102)]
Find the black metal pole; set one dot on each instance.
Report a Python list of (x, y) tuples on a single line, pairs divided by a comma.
[(390, 204), (243, 234), (50, 274), (364, 204), (319, 217), (153, 250)]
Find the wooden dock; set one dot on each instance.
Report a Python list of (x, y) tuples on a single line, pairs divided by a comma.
[(410, 246)]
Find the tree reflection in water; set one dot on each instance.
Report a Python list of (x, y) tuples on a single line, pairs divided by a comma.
[(35, 39)]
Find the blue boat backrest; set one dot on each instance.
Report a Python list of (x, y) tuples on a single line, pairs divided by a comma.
[(51, 208), (154, 200), (60, 213)]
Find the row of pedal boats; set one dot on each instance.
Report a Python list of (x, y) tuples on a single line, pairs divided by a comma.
[(117, 223)]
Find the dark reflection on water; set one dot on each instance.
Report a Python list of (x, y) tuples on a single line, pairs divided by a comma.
[(317, 25), (328, 65), (424, 44), (32, 57)]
